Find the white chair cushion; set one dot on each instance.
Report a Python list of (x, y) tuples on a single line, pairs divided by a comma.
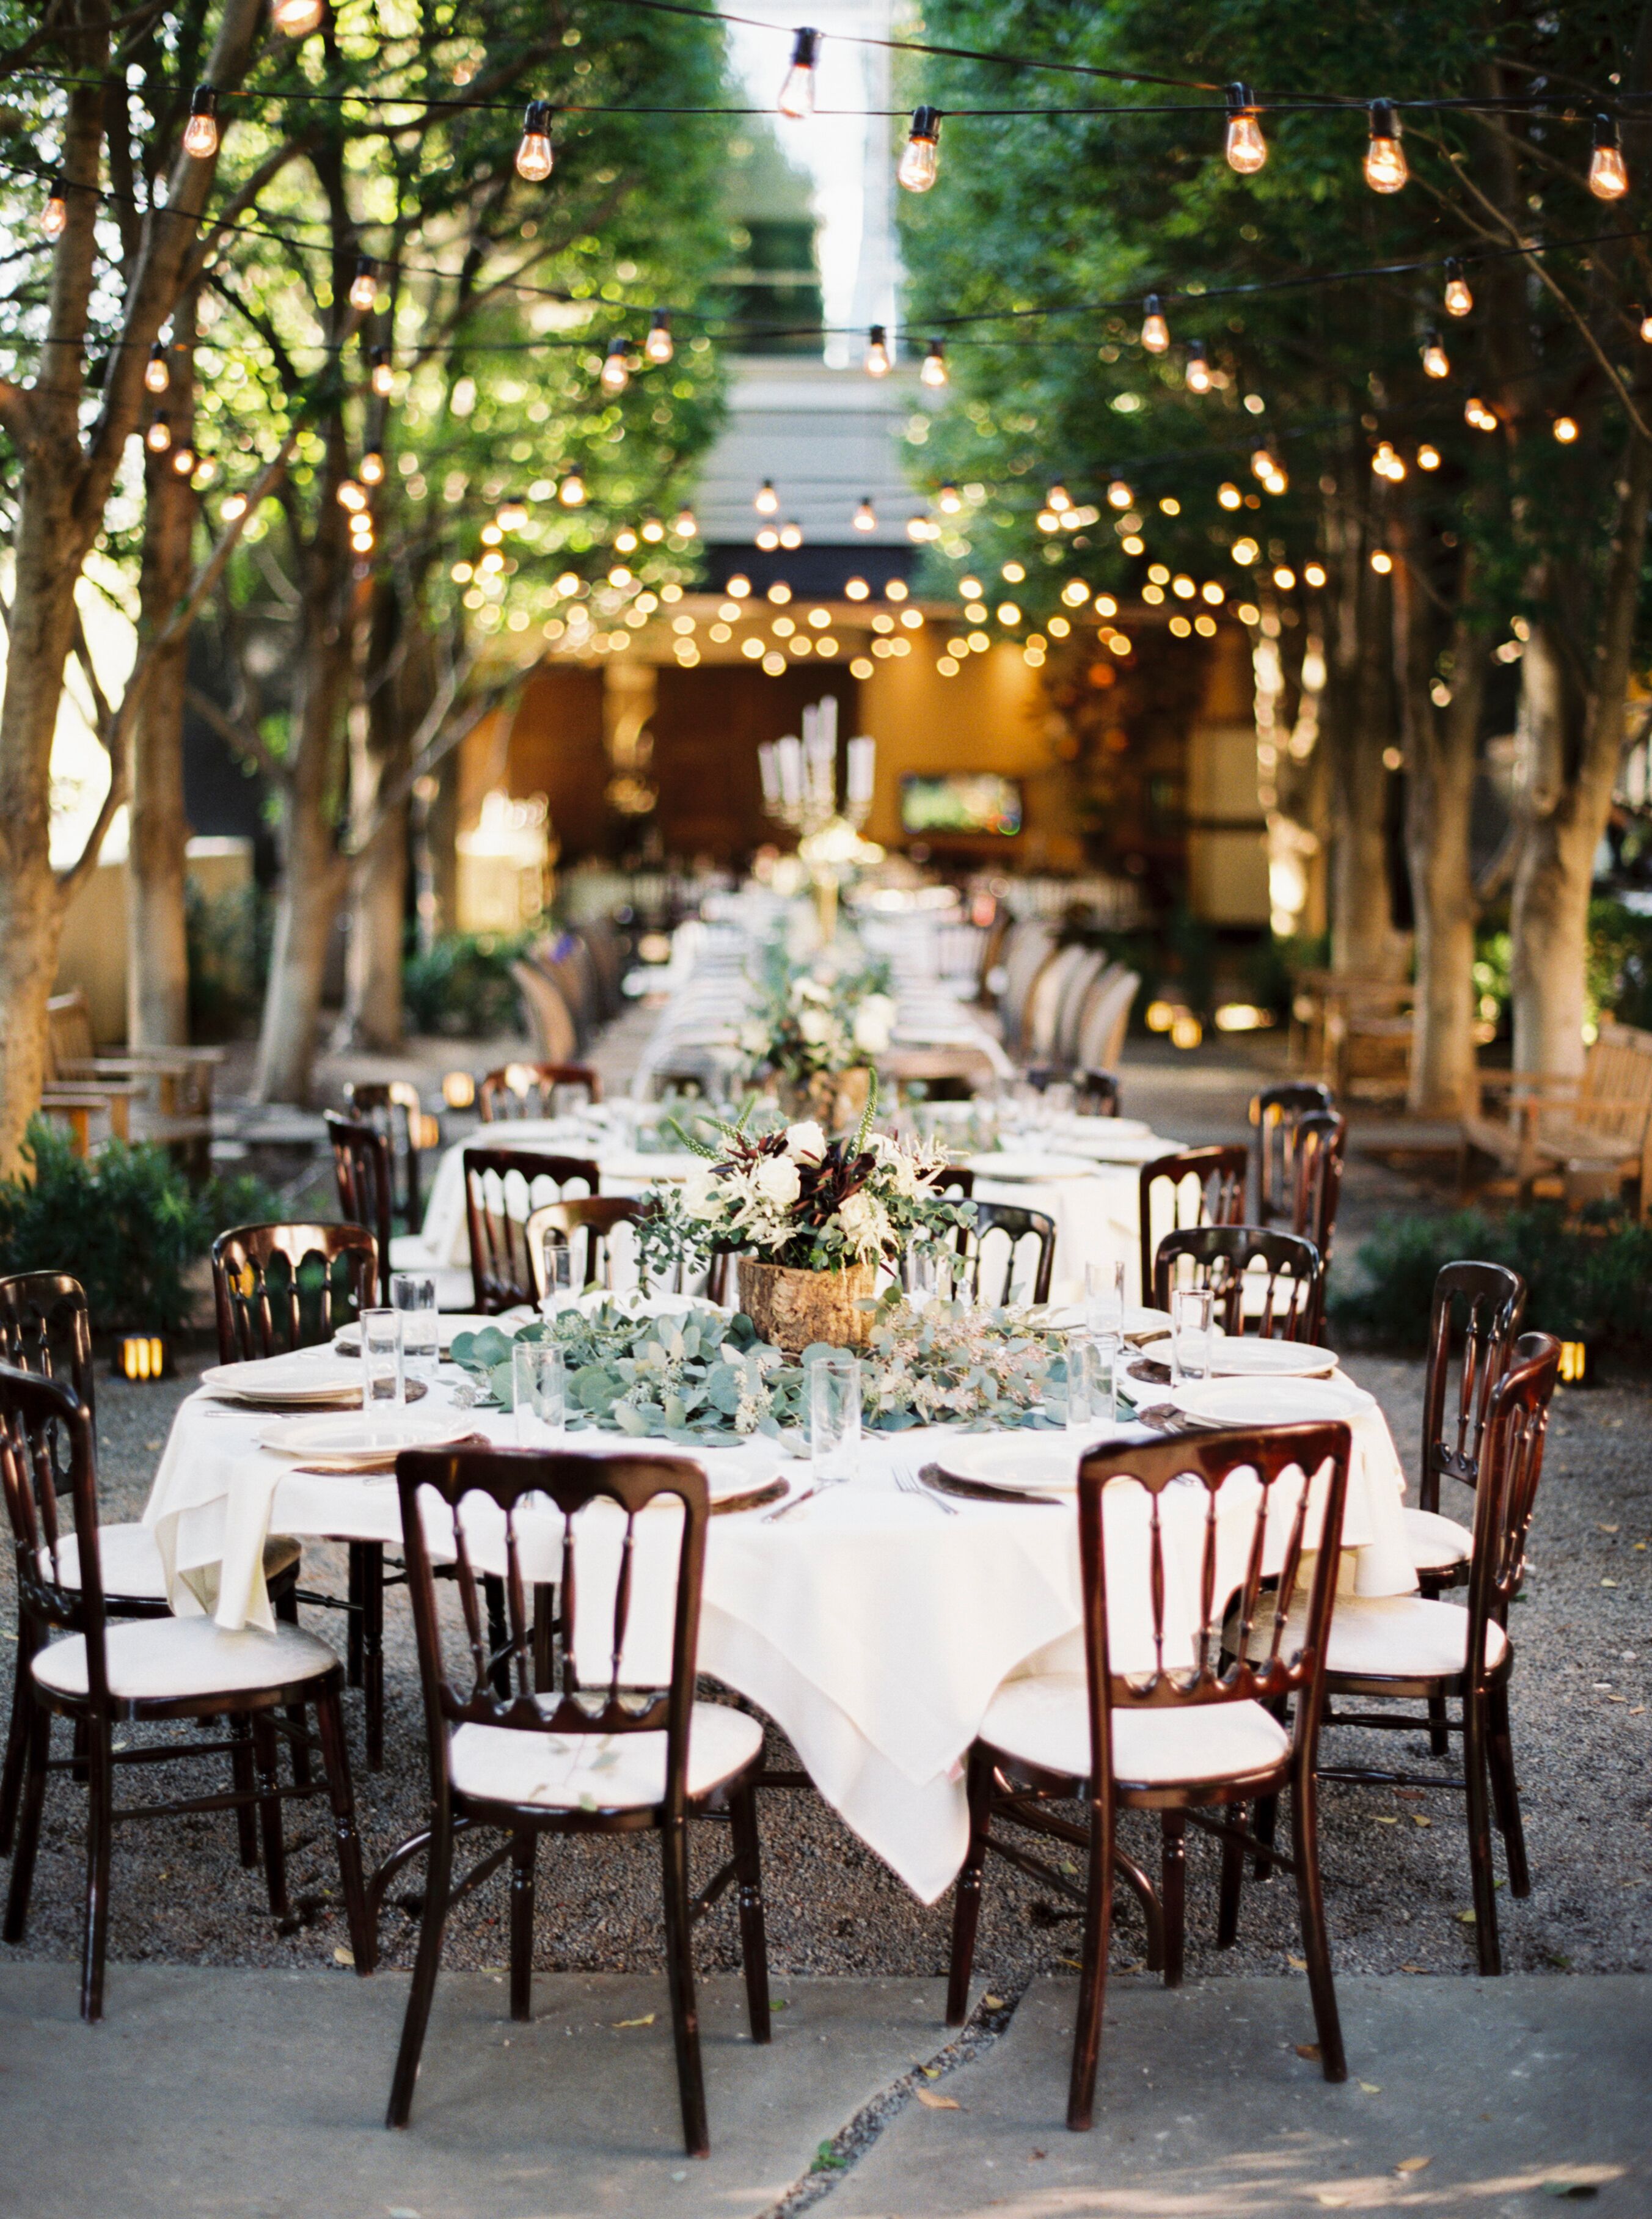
[(132, 1567), (1045, 1720), (158, 1659), (1397, 1638), (603, 1772), (1437, 1542)]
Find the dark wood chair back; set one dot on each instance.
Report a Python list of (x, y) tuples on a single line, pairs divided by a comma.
[(957, 1178), (1490, 1300), (1510, 1466), (393, 1104), (46, 1327), (474, 1693), (1275, 1114), (277, 1287), (1240, 1263), (499, 1266), (984, 1283), (587, 1225), (364, 1167), (1321, 1144), (1095, 1093), (1220, 1173), (48, 1456), (528, 1090), (1227, 1665)]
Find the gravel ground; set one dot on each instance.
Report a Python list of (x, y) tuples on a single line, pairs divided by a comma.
[(1394, 1893)]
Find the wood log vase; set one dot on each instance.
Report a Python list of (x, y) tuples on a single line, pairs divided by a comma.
[(792, 1308)]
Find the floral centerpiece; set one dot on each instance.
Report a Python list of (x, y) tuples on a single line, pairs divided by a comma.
[(814, 1033)]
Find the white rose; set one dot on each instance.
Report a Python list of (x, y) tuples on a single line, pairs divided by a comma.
[(805, 1143), (873, 1023), (815, 1026), (753, 1038), (702, 1194), (866, 1226), (778, 1181)]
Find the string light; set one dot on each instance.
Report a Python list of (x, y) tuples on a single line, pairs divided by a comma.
[(686, 525), (183, 459), (1229, 496), (200, 132), (1608, 178), (797, 97), (297, 18), (534, 158), (616, 369), (1155, 331), (1313, 574), (1436, 362), (1565, 430), (234, 508), (1198, 368), (1382, 560), (769, 539), (948, 499), (1059, 499), (373, 467), (657, 345), (876, 362), (1385, 158), (512, 513), (1262, 464), (157, 376), (1428, 458), (653, 531), (1388, 464), (365, 285), (1246, 148), (352, 496), (1119, 494), (572, 495), (934, 371), (1477, 413), (158, 437), (866, 517), (791, 534), (55, 213), (922, 157), (1459, 301), (383, 377), (1644, 319)]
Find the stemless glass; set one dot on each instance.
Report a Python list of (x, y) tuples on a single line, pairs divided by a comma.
[(1104, 1298), (835, 1416), (384, 1385), (1191, 1316), (539, 1382), (920, 1279), (413, 1295), (559, 1293)]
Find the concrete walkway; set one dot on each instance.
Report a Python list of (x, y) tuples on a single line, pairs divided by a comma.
[(261, 2095)]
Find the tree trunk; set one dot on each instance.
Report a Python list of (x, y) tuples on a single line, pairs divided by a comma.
[(372, 1012), (400, 689)]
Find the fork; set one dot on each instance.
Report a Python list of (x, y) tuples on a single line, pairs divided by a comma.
[(908, 1482)]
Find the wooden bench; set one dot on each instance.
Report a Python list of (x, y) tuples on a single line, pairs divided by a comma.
[(174, 1084), (1353, 1030), (1592, 1134)]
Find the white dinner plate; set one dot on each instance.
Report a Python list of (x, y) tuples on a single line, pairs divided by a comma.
[(1103, 1147), (1042, 1462), (1016, 1164), (1242, 1356), (1270, 1402), (1140, 1324), (348, 1338), (303, 1375), (359, 1439)]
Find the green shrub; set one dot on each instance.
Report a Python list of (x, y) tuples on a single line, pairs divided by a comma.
[(229, 937), (1590, 1282), (126, 1223), (463, 986)]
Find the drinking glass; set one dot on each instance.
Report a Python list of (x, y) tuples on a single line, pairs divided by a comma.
[(559, 1293), (539, 1382), (1058, 1101), (921, 1272), (1190, 1317), (835, 1416), (413, 1295), (383, 1386), (1105, 1299), (1092, 1379)]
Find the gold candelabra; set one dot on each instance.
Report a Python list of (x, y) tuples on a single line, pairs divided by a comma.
[(800, 791)]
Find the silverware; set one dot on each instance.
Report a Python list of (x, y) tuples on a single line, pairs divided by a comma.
[(1165, 1418), (908, 1482), (786, 1508), (941, 1481)]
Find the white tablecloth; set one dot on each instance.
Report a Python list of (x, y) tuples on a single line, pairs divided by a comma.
[(872, 1628)]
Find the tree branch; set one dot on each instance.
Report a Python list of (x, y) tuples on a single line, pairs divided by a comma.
[(238, 734)]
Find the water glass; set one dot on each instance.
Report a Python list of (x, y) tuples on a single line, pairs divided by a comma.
[(412, 1295), (384, 1384), (921, 1277), (560, 1294), (835, 1416), (1191, 1322), (1105, 1299), (1092, 1379), (539, 1383)]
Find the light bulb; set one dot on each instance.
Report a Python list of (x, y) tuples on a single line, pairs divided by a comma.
[(534, 159), (616, 369), (866, 517), (657, 346), (365, 285), (921, 158), (1436, 362), (1608, 178), (1262, 464), (157, 376), (1385, 158), (234, 508), (159, 437), (200, 132), (769, 539), (184, 460), (1643, 318), (1048, 521), (797, 97), (653, 531), (1119, 494), (1247, 150), (948, 501), (1155, 331), (373, 467), (512, 514), (55, 213), (1458, 298), (1382, 560), (766, 500), (1230, 496), (383, 378), (351, 495), (877, 363), (1428, 458), (792, 535), (685, 525), (297, 18), (572, 495), (1565, 430), (934, 371), (1059, 498), (1198, 368), (1315, 573)]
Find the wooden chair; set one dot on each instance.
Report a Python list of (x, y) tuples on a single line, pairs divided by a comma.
[(1321, 1147), (500, 1264), (1095, 1093), (1270, 1285), (1589, 1135), (178, 1081), (1275, 1114), (1220, 1173), (147, 1670), (1192, 1734), (394, 1106), (1105, 1019), (1354, 1029), (587, 1224), (366, 1171), (527, 1090), (1394, 1650), (1491, 1301), (657, 1758), (1017, 1224), (46, 1330), (550, 1022)]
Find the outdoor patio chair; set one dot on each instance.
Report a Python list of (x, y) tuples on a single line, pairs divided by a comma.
[(1270, 1285), (364, 1170), (500, 1264), (394, 1106), (1016, 1225), (528, 1090), (1217, 1199), (1321, 1149), (1492, 1301), (1095, 1093), (550, 1020), (1276, 1112), (585, 1224)]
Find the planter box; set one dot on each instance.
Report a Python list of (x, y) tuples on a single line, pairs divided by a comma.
[(791, 1309)]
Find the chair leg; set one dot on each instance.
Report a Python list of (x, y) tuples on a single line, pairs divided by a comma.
[(439, 1876), (1172, 1890), (1506, 1794), (1092, 1978), (353, 1618), (29, 1822), (1479, 1833), (679, 1968), (335, 1759), (241, 1766), (373, 1650), (524, 1850), (967, 1903), (99, 1829), (274, 1846), (11, 1781), (1439, 1741), (1316, 1946), (1232, 1881), (749, 1878), (285, 1606)]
